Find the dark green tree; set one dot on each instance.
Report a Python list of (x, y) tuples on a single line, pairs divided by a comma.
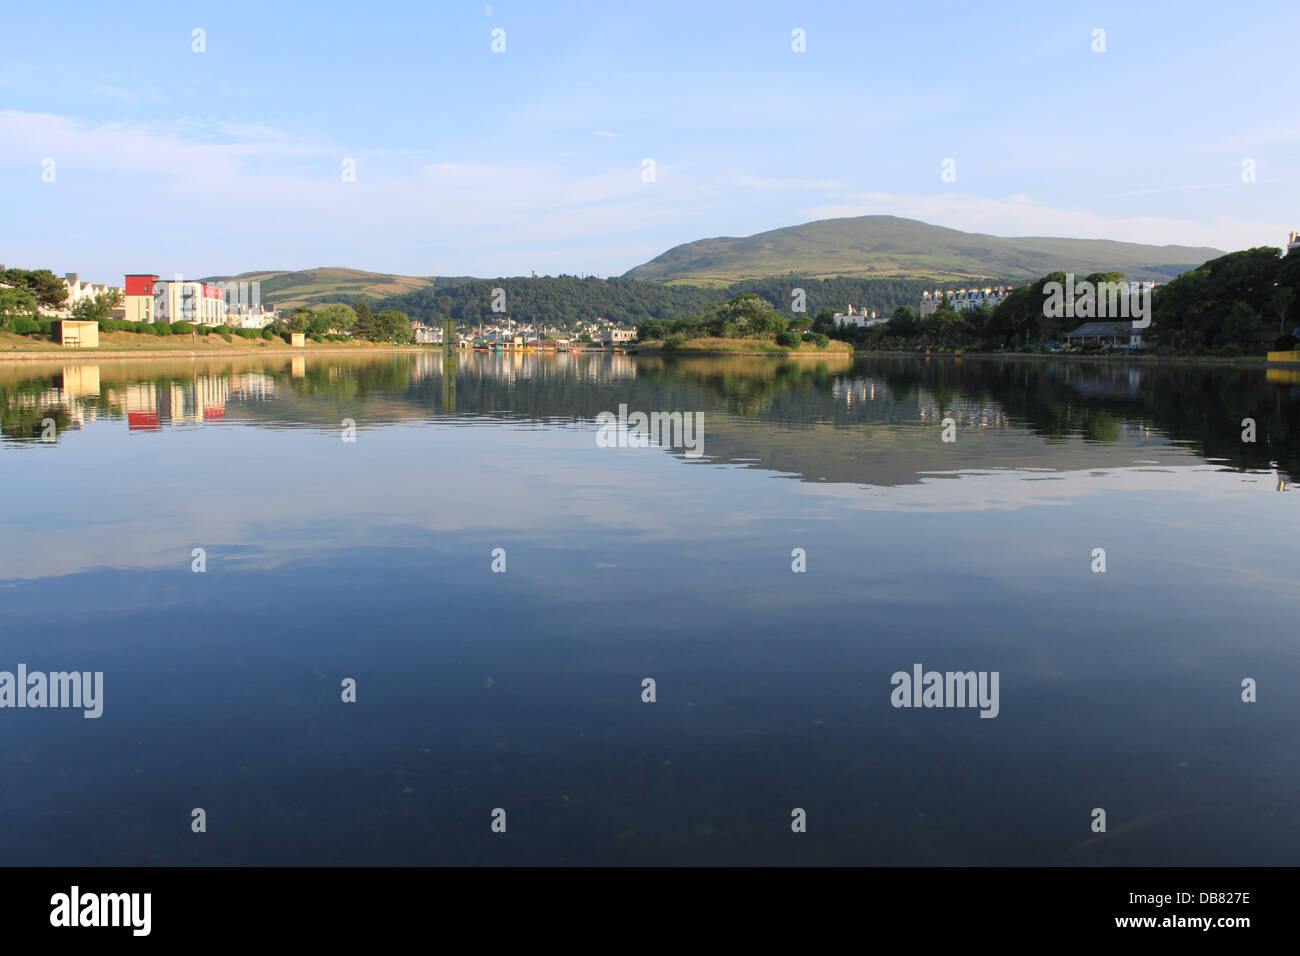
[(365, 327)]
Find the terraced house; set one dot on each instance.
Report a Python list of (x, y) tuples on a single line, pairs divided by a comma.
[(962, 299), (78, 292)]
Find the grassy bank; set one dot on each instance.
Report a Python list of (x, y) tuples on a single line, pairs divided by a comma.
[(115, 343)]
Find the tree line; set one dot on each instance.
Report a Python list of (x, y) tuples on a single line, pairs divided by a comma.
[(565, 301), (338, 321), (1228, 306)]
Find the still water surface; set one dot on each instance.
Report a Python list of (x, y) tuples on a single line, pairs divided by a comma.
[(522, 690)]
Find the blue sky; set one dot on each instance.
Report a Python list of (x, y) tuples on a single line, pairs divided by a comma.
[(474, 162)]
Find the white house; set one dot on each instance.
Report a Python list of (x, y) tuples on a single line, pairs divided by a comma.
[(863, 319), (78, 292), (962, 299)]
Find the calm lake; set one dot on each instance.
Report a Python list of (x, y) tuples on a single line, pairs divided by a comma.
[(372, 560)]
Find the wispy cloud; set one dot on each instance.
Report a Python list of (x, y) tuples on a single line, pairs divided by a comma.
[(1282, 133), (1022, 216)]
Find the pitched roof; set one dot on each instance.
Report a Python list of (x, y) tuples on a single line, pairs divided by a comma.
[(1104, 328)]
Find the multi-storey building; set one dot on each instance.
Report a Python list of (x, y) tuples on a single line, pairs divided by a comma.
[(151, 299), (863, 319), (963, 299), (185, 300), (139, 299)]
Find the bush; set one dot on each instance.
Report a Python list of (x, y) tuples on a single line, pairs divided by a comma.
[(22, 325), (182, 327), (674, 342), (44, 326), (162, 328), (789, 340), (268, 334), (1231, 350)]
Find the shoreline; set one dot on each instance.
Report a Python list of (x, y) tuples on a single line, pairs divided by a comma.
[(84, 355), (1248, 361), (37, 355)]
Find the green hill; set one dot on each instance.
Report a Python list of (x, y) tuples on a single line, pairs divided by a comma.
[(318, 286), (887, 246)]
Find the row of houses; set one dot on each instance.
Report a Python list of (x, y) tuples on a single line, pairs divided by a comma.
[(963, 299), (863, 319), (525, 335), (959, 301), (147, 298), (78, 292), (515, 340)]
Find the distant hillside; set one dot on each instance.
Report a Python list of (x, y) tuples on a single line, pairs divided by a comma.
[(319, 286), (880, 246)]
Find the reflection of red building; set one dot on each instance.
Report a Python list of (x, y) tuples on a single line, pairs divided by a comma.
[(141, 401), (214, 414)]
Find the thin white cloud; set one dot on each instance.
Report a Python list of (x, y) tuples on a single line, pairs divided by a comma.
[(1022, 216), (1288, 133), (452, 217)]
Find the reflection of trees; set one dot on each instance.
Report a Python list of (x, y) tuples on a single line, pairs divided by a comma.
[(23, 408), (1201, 405), (742, 387)]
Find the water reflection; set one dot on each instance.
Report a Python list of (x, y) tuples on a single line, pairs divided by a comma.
[(371, 560), (840, 405)]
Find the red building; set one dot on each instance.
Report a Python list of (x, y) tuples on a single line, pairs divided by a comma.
[(139, 297)]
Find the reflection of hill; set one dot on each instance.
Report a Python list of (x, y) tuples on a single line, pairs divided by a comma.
[(868, 421)]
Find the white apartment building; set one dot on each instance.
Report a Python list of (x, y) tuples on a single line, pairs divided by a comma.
[(863, 319), (963, 299), (188, 301), (255, 317)]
